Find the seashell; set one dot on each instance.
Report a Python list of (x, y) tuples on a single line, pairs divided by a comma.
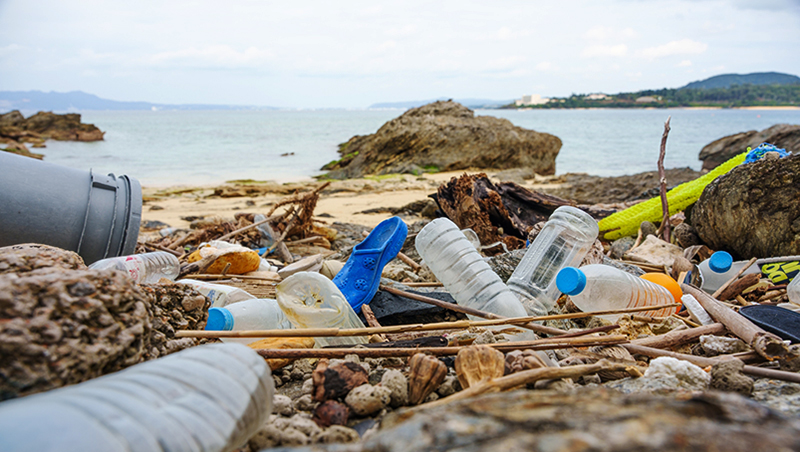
[(425, 375), (478, 363), (520, 360), (616, 354)]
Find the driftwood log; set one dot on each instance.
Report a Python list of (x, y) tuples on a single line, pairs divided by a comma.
[(503, 212)]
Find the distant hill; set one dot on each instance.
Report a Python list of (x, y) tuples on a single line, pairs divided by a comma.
[(78, 100), (756, 78), (469, 103)]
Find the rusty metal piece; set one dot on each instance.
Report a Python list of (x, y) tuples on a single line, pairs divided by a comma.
[(478, 363), (425, 375)]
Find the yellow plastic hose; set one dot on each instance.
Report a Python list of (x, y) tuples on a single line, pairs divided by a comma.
[(626, 222)]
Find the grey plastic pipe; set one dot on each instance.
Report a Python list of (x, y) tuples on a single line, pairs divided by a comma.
[(95, 215), (210, 398)]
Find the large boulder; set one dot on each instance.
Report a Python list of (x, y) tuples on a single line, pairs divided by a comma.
[(753, 211), (15, 130), (785, 136), (445, 136)]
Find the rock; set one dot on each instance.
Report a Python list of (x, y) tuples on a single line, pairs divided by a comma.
[(271, 436), (655, 251), (728, 376), (300, 422), (778, 395), (174, 307), (449, 386), (308, 387), (336, 434), (60, 326), (367, 399), (785, 136), (447, 136), (16, 130), (648, 228), (686, 235), (621, 246), (305, 403), (691, 376), (397, 383), (337, 380), (586, 189), (387, 306), (721, 345), (331, 412), (282, 405), (31, 256), (485, 337), (753, 210), (587, 419)]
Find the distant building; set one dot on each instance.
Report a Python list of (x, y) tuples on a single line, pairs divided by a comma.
[(648, 99), (596, 96), (533, 99)]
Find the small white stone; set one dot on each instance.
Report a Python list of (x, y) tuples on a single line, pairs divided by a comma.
[(690, 376), (720, 345), (398, 384), (487, 337), (367, 399), (282, 405), (308, 387), (305, 403)]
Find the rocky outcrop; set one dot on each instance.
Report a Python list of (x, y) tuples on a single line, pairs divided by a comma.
[(445, 136), (16, 130), (753, 211), (785, 136)]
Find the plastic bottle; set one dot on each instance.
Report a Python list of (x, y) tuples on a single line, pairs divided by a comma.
[(144, 268), (219, 294), (254, 314), (267, 234), (720, 267), (208, 398), (310, 300), (463, 272), (600, 287), (564, 241), (793, 290)]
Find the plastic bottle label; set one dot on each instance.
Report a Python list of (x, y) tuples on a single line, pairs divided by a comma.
[(781, 272), (134, 267)]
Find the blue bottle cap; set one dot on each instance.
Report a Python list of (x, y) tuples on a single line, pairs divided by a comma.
[(720, 262), (571, 281), (219, 319)]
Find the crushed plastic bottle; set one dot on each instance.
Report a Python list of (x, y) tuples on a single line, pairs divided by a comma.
[(254, 314), (720, 267), (267, 234), (600, 287), (564, 241), (145, 268), (463, 272), (219, 294), (208, 398), (793, 291), (310, 300)]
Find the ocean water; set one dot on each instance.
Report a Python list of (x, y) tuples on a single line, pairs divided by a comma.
[(162, 148)]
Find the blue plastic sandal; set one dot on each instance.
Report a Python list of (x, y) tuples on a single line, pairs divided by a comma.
[(359, 278)]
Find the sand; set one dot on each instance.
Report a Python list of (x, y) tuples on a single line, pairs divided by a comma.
[(350, 197)]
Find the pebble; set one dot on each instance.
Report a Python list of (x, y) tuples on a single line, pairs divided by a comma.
[(449, 386), (486, 337), (719, 345), (300, 423), (367, 399), (308, 387), (271, 436), (305, 403), (282, 405), (728, 376), (336, 434), (397, 383), (690, 376)]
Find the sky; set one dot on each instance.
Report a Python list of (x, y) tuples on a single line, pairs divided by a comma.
[(351, 54)]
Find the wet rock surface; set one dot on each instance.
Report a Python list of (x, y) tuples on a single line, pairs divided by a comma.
[(16, 130), (753, 211), (785, 136), (174, 307), (448, 136), (586, 420)]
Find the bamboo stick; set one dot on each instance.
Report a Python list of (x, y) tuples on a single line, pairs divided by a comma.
[(705, 362), (213, 276), (766, 344), (246, 228), (678, 338), (539, 344), (734, 278), (423, 284)]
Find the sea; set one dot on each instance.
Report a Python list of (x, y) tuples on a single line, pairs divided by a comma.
[(166, 148)]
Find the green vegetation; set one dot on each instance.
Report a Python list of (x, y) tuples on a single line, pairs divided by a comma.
[(432, 169), (334, 164), (734, 96)]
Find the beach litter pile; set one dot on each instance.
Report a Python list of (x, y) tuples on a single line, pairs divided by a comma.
[(515, 320)]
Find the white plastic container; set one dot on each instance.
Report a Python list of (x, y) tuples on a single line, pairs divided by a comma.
[(463, 272), (145, 268), (208, 398), (600, 287), (254, 314), (720, 267), (310, 300), (793, 290), (219, 294), (564, 241)]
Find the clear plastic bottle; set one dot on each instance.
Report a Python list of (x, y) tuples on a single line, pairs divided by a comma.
[(255, 314), (600, 287), (564, 241), (463, 272), (145, 268), (208, 398), (720, 267), (219, 294), (793, 290), (310, 300)]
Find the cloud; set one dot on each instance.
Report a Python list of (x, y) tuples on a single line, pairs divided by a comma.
[(505, 62), (604, 33), (684, 63), (216, 56), (9, 49), (597, 50), (682, 47), (545, 66)]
